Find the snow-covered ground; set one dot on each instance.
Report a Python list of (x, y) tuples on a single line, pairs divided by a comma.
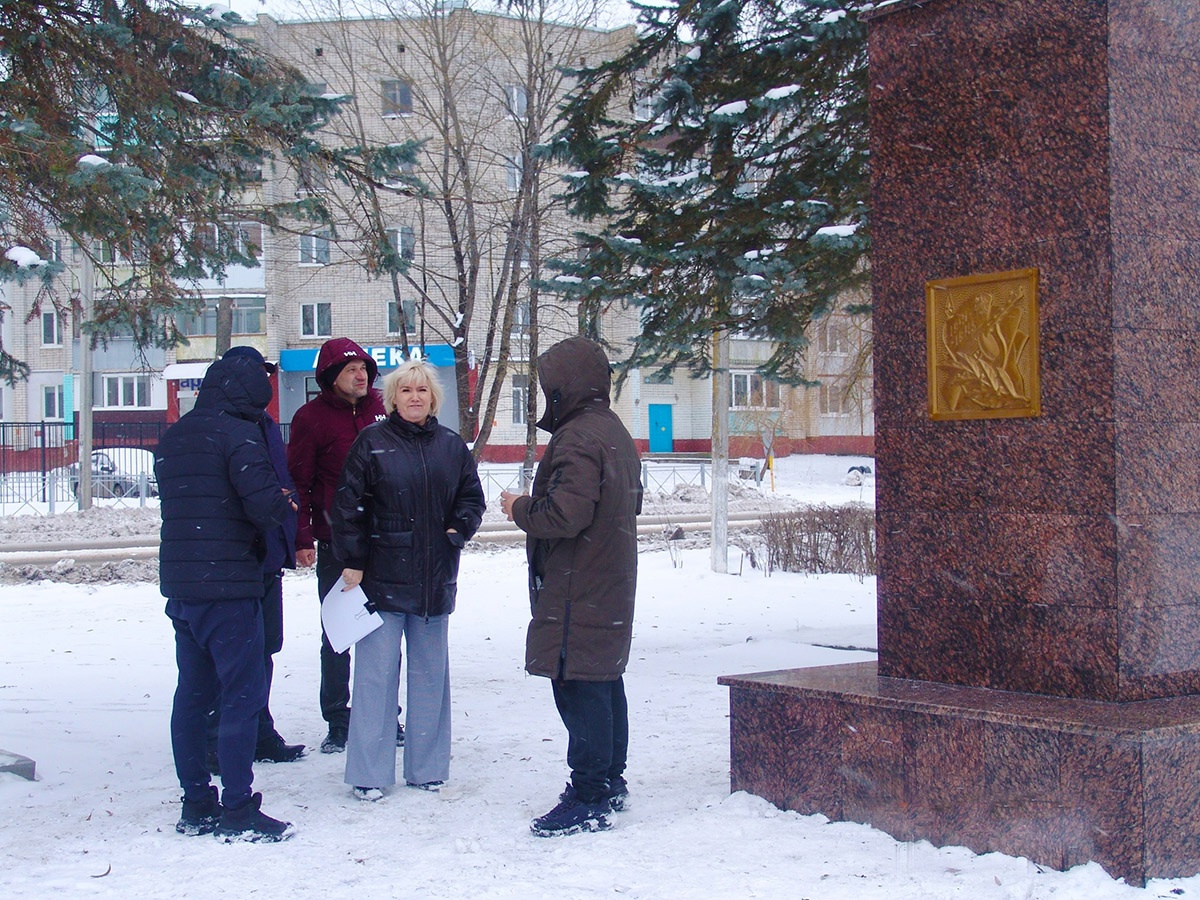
[(87, 673)]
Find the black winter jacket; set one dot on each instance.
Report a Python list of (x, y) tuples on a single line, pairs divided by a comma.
[(402, 486), (581, 522), (219, 492)]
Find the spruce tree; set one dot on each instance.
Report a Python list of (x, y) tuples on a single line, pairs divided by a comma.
[(140, 129), (725, 155)]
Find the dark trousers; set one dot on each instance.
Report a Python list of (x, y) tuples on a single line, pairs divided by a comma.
[(272, 615), (272, 611), (219, 652), (335, 667), (597, 718)]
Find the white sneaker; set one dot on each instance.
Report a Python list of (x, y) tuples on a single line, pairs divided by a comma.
[(369, 794)]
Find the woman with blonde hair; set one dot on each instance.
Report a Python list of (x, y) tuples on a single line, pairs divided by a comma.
[(408, 501)]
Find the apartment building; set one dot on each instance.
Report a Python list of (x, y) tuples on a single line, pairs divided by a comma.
[(478, 90)]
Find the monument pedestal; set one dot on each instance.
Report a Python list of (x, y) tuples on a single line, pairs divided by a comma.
[(1035, 278), (1056, 780)]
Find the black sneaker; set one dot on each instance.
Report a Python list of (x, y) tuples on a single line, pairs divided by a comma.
[(335, 741), (250, 823), (201, 816), (618, 794), (276, 750), (399, 735), (572, 816)]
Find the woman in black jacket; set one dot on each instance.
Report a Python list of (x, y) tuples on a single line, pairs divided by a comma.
[(408, 501)]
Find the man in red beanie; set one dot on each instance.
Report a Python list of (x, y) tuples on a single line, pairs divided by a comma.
[(321, 434)]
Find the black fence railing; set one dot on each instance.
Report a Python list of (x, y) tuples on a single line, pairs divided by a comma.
[(43, 446)]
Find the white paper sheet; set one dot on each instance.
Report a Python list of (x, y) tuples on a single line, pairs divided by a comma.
[(345, 616)]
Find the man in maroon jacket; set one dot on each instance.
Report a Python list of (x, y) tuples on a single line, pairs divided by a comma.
[(321, 434)]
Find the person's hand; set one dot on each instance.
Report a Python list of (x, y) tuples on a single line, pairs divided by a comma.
[(352, 578), (306, 558), (290, 496), (506, 503)]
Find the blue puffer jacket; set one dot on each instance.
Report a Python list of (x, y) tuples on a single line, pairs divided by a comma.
[(402, 486), (219, 492)]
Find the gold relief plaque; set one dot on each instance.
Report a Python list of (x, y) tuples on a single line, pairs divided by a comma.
[(982, 333)]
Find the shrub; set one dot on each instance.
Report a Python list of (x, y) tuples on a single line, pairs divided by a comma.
[(822, 539)]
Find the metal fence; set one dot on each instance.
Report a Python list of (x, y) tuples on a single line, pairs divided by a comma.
[(51, 490), (44, 446)]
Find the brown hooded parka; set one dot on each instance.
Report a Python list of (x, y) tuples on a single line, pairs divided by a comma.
[(581, 523)]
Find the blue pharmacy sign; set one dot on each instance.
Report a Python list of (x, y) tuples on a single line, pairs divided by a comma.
[(440, 355)]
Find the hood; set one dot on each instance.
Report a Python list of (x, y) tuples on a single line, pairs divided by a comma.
[(236, 385), (573, 374), (252, 353), (335, 353)]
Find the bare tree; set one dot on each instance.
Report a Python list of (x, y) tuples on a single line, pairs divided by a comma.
[(474, 95)]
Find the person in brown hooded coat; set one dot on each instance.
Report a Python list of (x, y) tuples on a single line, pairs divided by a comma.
[(580, 522)]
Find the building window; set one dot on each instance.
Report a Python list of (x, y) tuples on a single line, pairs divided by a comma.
[(393, 316), (106, 120), (516, 100), (51, 329), (520, 399), (125, 391), (316, 320), (249, 317), (314, 249), (105, 252), (834, 337), (522, 256), (397, 98), (645, 98), (834, 400), (520, 323), (250, 239), (403, 241), (52, 401), (513, 168), (750, 390), (312, 388), (311, 179)]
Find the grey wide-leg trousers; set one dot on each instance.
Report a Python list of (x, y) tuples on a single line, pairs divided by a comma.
[(371, 748)]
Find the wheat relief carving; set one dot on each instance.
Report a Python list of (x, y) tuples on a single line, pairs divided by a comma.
[(982, 345)]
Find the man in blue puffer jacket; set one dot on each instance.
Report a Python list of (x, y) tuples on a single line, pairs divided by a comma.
[(219, 496)]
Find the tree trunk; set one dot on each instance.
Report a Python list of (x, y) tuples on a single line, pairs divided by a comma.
[(224, 326)]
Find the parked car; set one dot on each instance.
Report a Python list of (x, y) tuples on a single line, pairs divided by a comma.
[(117, 472)]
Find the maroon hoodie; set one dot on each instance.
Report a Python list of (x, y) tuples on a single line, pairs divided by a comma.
[(321, 434)]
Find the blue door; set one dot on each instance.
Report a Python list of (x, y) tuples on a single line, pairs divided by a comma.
[(661, 438)]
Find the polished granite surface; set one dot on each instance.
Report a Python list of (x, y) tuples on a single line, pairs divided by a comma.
[(1050, 554), (1039, 611), (1061, 782)]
